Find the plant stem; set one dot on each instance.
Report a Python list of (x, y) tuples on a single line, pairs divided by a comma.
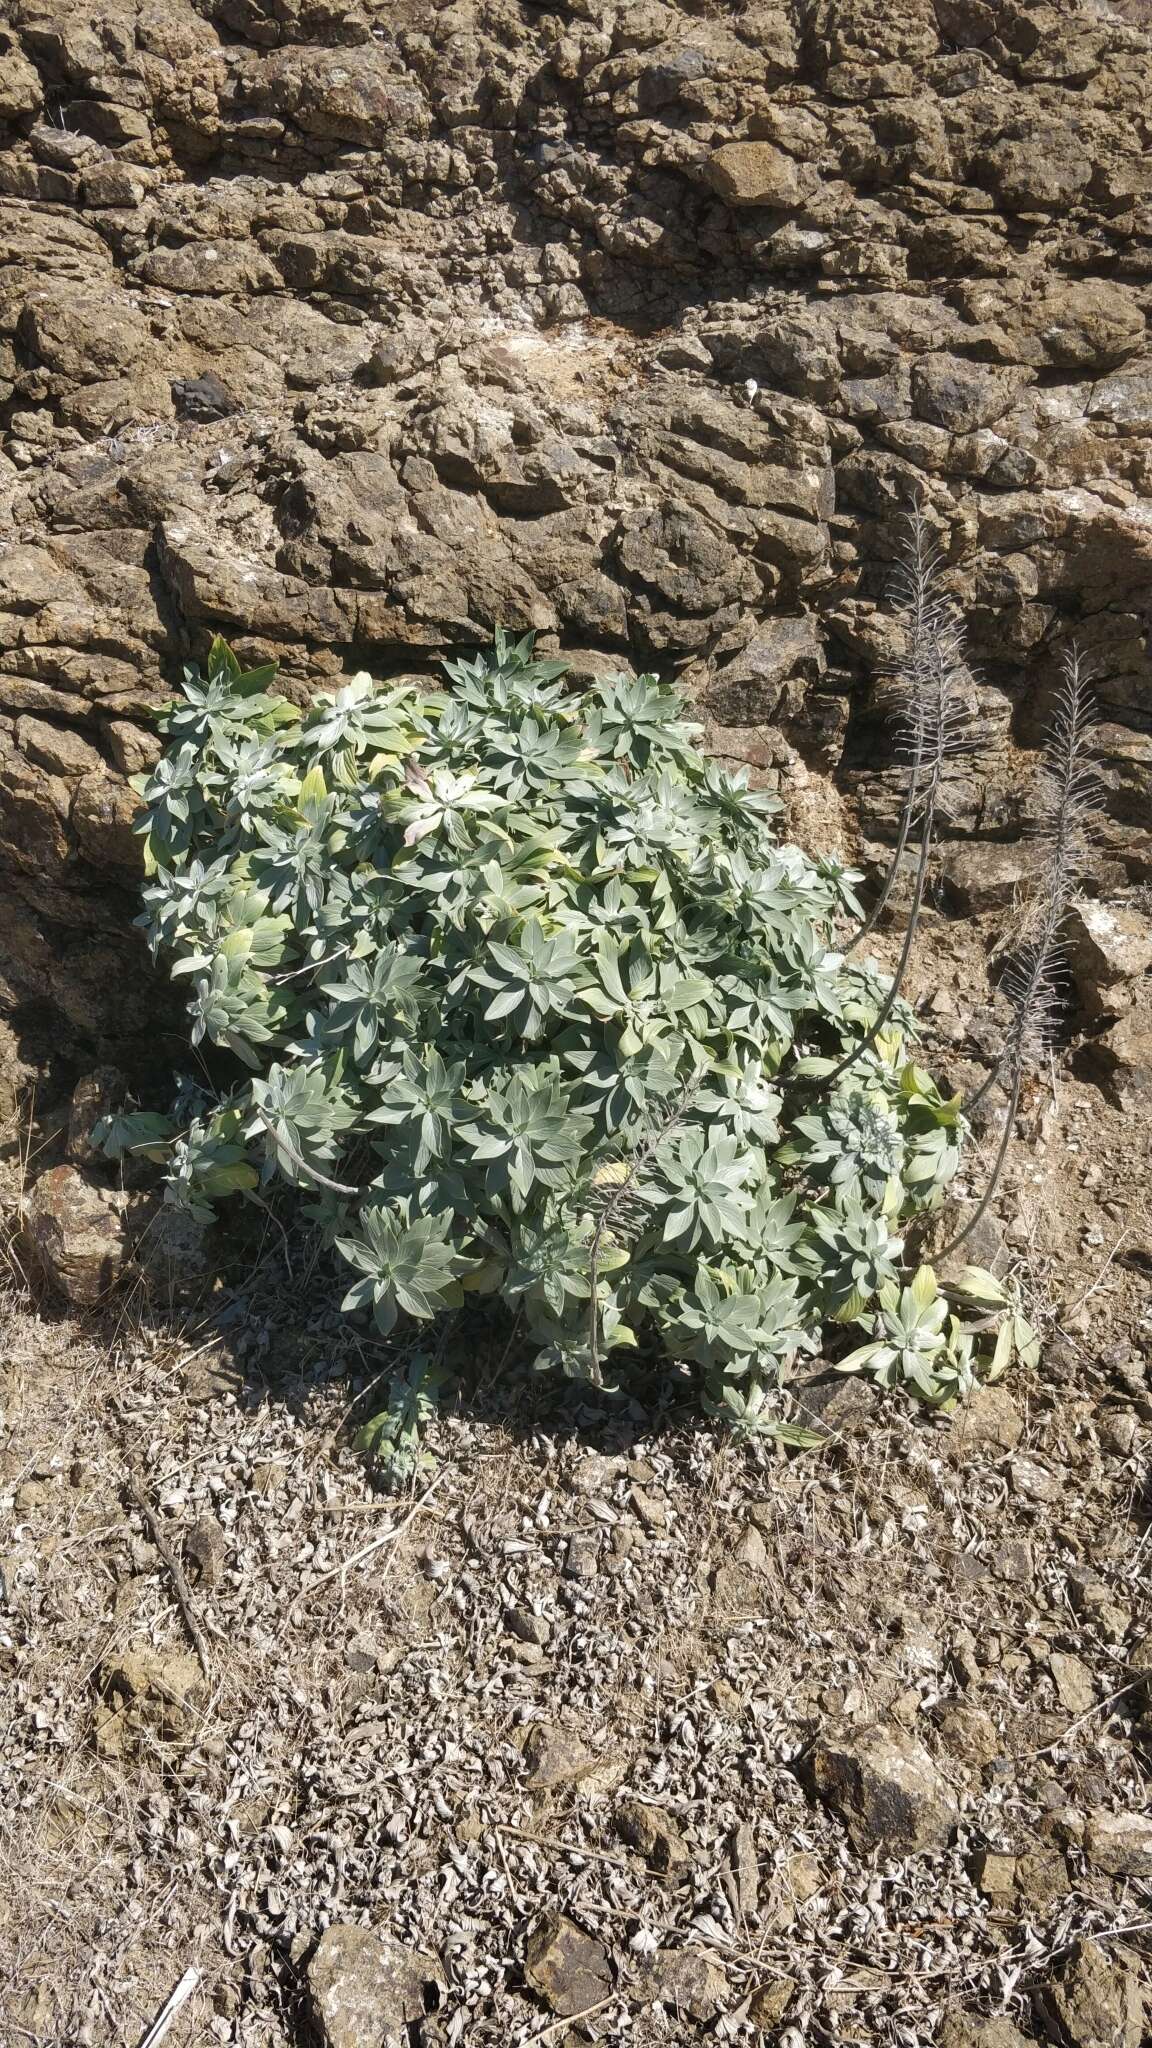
[(981, 1208), (336, 1187), (881, 903), (893, 995)]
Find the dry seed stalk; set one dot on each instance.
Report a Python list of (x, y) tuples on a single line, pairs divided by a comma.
[(1070, 797)]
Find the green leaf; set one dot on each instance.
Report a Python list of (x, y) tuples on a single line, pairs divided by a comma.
[(924, 1290), (138, 1131), (975, 1288)]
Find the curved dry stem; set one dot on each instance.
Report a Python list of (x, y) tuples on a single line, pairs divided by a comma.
[(893, 995), (335, 1187), (925, 684), (1070, 796), (982, 1207), (881, 903), (931, 697)]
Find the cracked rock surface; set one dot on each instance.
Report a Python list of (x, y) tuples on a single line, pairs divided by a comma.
[(354, 332)]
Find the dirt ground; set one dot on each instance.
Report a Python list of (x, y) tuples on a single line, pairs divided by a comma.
[(590, 1664)]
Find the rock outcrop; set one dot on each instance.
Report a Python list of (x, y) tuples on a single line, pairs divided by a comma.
[(353, 332)]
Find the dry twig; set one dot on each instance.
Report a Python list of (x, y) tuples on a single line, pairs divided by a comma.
[(377, 1543), (168, 2011), (175, 1573), (571, 2019)]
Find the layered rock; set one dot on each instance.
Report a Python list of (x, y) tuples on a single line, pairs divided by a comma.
[(354, 332)]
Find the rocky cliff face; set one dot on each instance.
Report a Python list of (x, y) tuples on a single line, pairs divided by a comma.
[(352, 330)]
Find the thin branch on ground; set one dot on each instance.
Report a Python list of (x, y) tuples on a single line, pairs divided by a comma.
[(189, 1983), (175, 1572), (573, 2019), (377, 1543)]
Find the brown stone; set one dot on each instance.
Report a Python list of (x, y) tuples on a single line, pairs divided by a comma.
[(653, 1833), (968, 2030), (885, 1788), (566, 1967), (962, 395), (1074, 1685), (77, 1228), (818, 265), (1119, 1844), (769, 2004), (1122, 1059), (755, 174), (57, 749), (988, 877), (970, 1734), (1110, 951), (1094, 2000), (93, 1097), (366, 1988), (1093, 325), (689, 1980), (103, 813), (555, 1756)]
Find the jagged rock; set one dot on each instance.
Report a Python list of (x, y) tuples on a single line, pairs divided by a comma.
[(555, 1757), (1119, 1844), (1109, 951), (1073, 1681), (966, 2030), (102, 816), (78, 1230), (970, 1734), (1025, 1882), (57, 750), (687, 1979), (527, 1627), (769, 676), (1093, 2001), (205, 397), (93, 1097), (566, 1967), (756, 174), (988, 877), (961, 395), (653, 1833), (1122, 1059), (366, 1988), (289, 349), (841, 1403), (769, 2004), (885, 1788)]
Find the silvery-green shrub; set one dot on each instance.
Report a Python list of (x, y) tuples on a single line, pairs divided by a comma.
[(526, 996)]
